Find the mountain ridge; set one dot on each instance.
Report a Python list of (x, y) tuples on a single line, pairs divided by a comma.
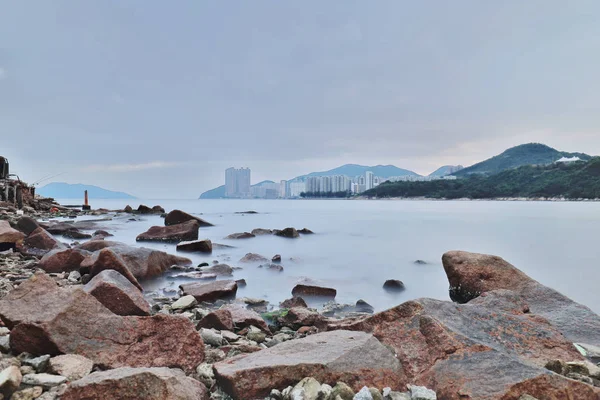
[(219, 192), (62, 190)]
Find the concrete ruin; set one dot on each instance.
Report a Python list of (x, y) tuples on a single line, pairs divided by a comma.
[(13, 191)]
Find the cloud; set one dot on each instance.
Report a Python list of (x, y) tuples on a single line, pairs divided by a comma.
[(134, 167)]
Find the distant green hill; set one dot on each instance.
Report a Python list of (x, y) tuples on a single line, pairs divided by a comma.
[(576, 180), (446, 170), (219, 192), (60, 190), (525, 154), (384, 171)]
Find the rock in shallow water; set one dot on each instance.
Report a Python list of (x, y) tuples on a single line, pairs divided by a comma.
[(187, 231), (177, 217), (210, 291)]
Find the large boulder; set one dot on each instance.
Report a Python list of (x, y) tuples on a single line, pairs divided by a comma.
[(210, 291), (8, 235), (356, 358), (177, 217), (107, 259), (27, 225), (173, 234), (62, 260), (471, 275), (144, 209), (431, 337), (136, 383), (143, 263), (200, 246), (47, 319), (38, 243), (117, 294)]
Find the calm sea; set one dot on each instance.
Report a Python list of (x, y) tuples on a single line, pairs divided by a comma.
[(358, 245)]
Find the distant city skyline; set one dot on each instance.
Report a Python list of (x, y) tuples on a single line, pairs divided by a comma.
[(237, 182)]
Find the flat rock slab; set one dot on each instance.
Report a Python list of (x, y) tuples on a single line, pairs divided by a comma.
[(71, 366), (46, 319), (117, 294), (136, 383), (177, 217), (199, 246), (356, 358), (185, 231), (210, 291), (313, 290)]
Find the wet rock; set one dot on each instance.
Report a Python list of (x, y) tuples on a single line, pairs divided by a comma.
[(178, 217), (199, 246), (62, 260), (117, 294), (261, 231), (305, 231), (241, 235), (472, 274), (420, 262), (393, 285), (143, 209), (364, 307), (38, 243), (218, 270), (358, 357), (187, 231), (313, 290), (71, 366), (276, 258), (47, 319), (183, 303), (295, 301), (290, 233), (253, 257), (102, 233), (27, 225), (241, 282), (136, 383), (210, 291), (75, 233)]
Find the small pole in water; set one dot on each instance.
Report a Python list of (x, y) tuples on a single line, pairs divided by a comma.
[(86, 205)]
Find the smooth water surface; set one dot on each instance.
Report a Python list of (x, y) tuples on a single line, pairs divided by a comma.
[(358, 245)]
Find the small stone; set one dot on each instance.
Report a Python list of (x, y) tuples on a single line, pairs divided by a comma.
[(324, 392), (206, 374), (422, 393), (26, 370), (286, 392), (397, 396), (39, 363), (275, 395), (184, 303), (306, 389), (211, 337), (5, 344), (375, 394), (10, 379), (28, 394), (256, 336), (230, 336), (4, 331), (343, 391), (71, 366), (45, 380), (276, 258), (393, 285), (74, 276), (363, 394)]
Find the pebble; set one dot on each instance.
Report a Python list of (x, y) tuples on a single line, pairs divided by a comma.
[(184, 303), (10, 379), (211, 337)]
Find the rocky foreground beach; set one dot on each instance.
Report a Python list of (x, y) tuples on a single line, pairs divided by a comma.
[(76, 324)]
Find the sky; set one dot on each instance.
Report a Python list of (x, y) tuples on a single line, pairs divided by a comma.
[(157, 99)]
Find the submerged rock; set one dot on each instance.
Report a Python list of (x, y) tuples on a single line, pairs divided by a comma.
[(305, 231), (313, 290), (393, 285), (200, 246), (290, 233), (210, 291), (261, 231), (177, 217), (241, 235), (253, 257)]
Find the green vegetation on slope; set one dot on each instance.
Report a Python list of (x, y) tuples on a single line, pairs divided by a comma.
[(525, 154), (578, 180)]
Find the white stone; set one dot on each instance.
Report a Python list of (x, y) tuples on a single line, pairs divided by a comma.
[(422, 393), (5, 343), (211, 337), (74, 276), (184, 303), (45, 380), (10, 378), (306, 389), (71, 366), (363, 394)]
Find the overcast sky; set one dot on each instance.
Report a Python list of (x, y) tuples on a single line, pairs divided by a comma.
[(158, 98)]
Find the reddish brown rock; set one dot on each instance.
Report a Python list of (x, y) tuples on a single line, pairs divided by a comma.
[(177, 217), (46, 319), (293, 302), (137, 383), (220, 320), (355, 358), (313, 290), (117, 294), (218, 270), (107, 259), (242, 317), (38, 243), (62, 260), (186, 231), (471, 275), (27, 225), (143, 263), (143, 209), (241, 235), (8, 234), (210, 291), (200, 246), (298, 317)]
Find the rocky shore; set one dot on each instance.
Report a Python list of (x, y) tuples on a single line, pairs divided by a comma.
[(77, 324)]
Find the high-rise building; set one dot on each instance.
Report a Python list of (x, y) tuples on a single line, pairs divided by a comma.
[(369, 180), (296, 188), (237, 182), (283, 189)]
